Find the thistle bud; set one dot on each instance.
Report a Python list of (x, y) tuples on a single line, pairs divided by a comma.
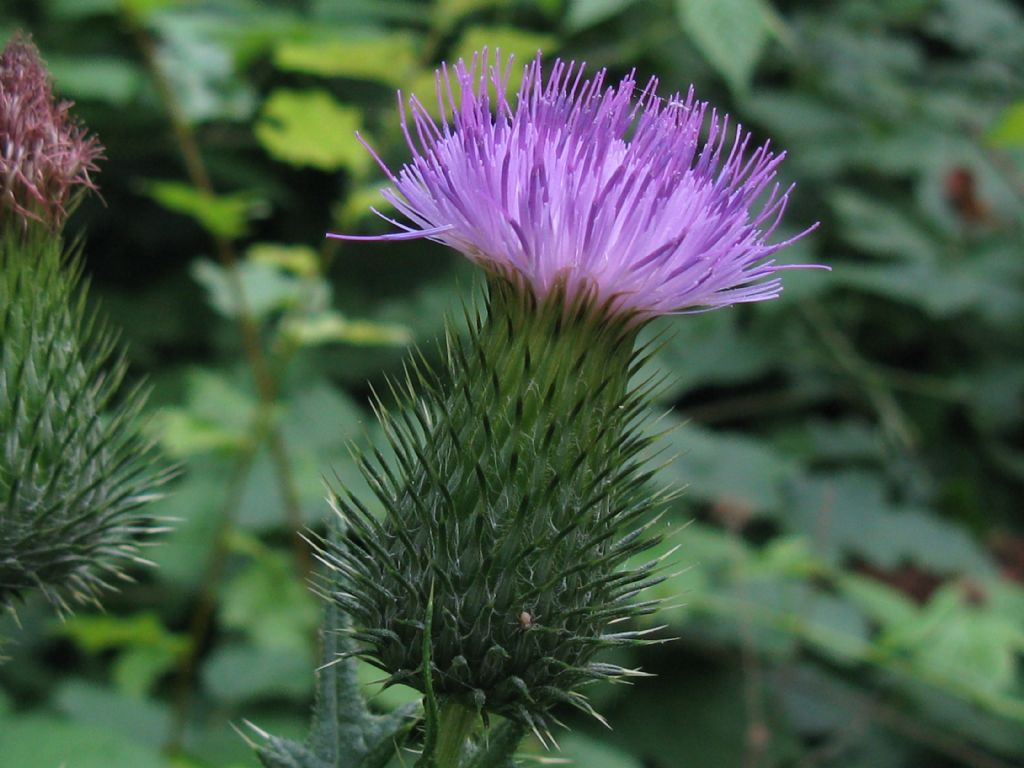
[(45, 155), (516, 496)]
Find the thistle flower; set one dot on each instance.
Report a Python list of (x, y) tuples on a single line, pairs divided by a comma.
[(611, 190), (44, 153), (516, 503)]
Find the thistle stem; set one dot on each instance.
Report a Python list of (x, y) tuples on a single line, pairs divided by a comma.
[(502, 742), (456, 724), (263, 377)]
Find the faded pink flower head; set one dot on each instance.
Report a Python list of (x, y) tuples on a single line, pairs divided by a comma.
[(44, 153), (651, 205)]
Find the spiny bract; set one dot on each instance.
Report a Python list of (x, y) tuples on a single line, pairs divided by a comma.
[(516, 494), (74, 467)]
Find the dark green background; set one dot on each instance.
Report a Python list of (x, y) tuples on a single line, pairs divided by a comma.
[(851, 540)]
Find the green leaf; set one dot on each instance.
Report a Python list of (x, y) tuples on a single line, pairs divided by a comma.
[(317, 423), (99, 78), (989, 26), (448, 12), (144, 721), (101, 633), (726, 468), (137, 670), (587, 13), (182, 434), (389, 58), (508, 41), (77, 9), (217, 415), (196, 57), (850, 440), (265, 287), (835, 627), (699, 724), (1009, 128), (146, 7), (941, 291), (731, 35), (332, 327), (849, 514), (994, 395), (311, 128), (357, 205), (267, 601), (882, 604), (299, 260), (705, 349), (149, 649), (787, 556), (47, 742), (223, 215), (196, 502), (820, 705), (879, 228), (964, 642), (239, 672)]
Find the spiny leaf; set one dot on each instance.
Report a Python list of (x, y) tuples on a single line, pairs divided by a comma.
[(344, 733)]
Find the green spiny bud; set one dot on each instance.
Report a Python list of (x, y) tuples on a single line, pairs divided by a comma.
[(516, 494), (74, 467)]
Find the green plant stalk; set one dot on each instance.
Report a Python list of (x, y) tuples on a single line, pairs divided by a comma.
[(499, 747), (456, 725)]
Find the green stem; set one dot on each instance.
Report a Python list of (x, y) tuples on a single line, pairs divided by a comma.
[(456, 724), (501, 745)]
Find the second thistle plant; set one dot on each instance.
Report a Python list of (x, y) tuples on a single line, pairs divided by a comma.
[(74, 465)]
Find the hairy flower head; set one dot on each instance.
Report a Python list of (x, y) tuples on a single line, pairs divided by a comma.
[(650, 205), (44, 153)]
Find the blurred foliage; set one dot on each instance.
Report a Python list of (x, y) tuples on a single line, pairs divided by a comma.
[(851, 546)]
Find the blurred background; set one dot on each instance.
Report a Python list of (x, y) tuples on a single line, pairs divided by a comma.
[(852, 545)]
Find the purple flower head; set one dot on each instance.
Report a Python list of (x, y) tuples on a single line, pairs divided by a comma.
[(44, 153), (610, 190)]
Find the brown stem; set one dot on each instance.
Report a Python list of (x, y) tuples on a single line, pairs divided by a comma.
[(758, 734), (263, 428), (264, 380), (849, 359), (202, 616)]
